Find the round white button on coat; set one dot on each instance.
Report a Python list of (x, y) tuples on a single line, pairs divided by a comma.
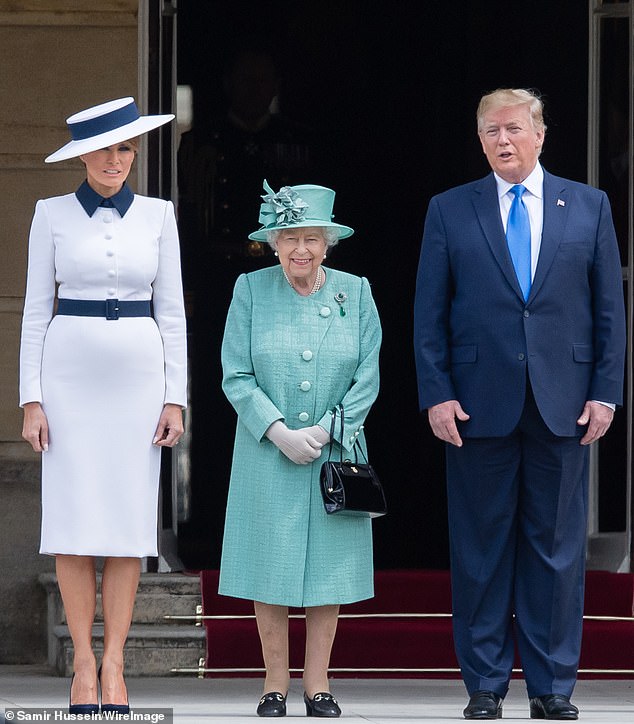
[(324, 312), (112, 291), (303, 416), (305, 386), (109, 252), (107, 219), (307, 355), (111, 272)]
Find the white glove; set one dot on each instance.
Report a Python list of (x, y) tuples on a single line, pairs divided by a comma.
[(318, 432), (299, 446)]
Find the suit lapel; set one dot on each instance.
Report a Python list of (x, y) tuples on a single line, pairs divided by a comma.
[(487, 208), (556, 207)]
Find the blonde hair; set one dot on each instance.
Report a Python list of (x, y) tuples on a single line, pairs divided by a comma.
[(134, 142), (504, 97)]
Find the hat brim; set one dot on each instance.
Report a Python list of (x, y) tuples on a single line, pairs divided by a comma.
[(130, 130), (345, 231)]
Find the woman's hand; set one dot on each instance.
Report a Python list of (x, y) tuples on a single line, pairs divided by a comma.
[(299, 446), (35, 426), (170, 426), (318, 433)]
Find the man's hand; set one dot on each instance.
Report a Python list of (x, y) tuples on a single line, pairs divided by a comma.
[(598, 418), (442, 418)]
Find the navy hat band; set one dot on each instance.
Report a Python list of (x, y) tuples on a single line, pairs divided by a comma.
[(102, 124)]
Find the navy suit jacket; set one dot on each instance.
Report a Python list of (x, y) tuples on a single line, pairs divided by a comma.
[(476, 337)]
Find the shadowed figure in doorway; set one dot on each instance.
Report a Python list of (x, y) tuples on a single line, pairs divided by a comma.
[(221, 164)]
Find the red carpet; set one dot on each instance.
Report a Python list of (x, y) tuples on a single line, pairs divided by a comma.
[(405, 645)]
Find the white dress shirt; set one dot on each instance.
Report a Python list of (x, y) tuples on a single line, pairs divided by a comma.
[(533, 199)]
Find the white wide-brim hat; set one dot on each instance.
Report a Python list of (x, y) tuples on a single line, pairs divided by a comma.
[(103, 125)]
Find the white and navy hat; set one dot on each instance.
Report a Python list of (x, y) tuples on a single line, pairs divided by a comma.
[(103, 125)]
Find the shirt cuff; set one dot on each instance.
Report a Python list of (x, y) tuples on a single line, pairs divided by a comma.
[(611, 405)]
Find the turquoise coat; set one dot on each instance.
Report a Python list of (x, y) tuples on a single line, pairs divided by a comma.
[(293, 358)]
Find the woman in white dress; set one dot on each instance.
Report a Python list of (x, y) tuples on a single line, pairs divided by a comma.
[(102, 382)]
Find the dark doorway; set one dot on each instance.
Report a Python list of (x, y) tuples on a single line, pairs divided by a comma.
[(391, 95)]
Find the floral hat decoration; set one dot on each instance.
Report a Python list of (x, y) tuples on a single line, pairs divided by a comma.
[(297, 206)]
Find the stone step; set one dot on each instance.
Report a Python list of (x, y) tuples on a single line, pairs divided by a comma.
[(150, 650), (155, 644), (158, 595)]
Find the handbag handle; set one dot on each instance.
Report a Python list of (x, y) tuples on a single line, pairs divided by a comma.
[(339, 409), (333, 419)]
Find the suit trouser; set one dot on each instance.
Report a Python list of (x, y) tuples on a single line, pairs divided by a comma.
[(517, 522)]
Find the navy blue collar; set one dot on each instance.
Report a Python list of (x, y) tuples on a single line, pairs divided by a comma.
[(91, 200)]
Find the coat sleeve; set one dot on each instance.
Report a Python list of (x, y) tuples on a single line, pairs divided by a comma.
[(169, 311), (364, 386), (38, 304), (431, 314), (608, 313), (255, 409)]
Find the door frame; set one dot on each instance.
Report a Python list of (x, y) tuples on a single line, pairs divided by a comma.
[(617, 550)]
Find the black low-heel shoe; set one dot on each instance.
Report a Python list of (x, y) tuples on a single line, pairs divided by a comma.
[(80, 708), (272, 704), (113, 708), (322, 704)]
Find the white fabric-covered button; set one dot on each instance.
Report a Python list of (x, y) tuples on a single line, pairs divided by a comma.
[(303, 416), (107, 219), (305, 386), (307, 355), (324, 311), (110, 252), (108, 236), (111, 272), (112, 291)]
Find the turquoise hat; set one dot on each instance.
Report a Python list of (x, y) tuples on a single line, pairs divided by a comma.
[(297, 206)]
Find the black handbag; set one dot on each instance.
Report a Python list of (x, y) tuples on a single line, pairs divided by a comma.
[(350, 488)]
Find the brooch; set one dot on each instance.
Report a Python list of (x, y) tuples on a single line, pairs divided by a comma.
[(340, 298)]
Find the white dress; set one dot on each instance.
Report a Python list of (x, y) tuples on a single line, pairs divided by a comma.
[(102, 383)]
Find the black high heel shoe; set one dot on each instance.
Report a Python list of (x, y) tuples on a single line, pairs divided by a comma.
[(115, 708), (272, 704), (322, 704), (80, 708)]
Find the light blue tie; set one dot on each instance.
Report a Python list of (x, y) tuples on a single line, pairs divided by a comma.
[(518, 237)]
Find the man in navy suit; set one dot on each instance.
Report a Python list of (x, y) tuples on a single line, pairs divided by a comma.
[(520, 347)]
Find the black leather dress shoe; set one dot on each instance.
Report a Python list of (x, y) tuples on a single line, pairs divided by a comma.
[(484, 705), (272, 704), (553, 706), (322, 704)]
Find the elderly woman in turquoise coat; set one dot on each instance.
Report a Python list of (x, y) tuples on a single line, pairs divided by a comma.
[(300, 339)]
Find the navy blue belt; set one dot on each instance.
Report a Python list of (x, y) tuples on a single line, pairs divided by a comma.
[(108, 308)]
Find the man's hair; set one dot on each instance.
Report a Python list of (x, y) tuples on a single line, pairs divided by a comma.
[(504, 97)]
